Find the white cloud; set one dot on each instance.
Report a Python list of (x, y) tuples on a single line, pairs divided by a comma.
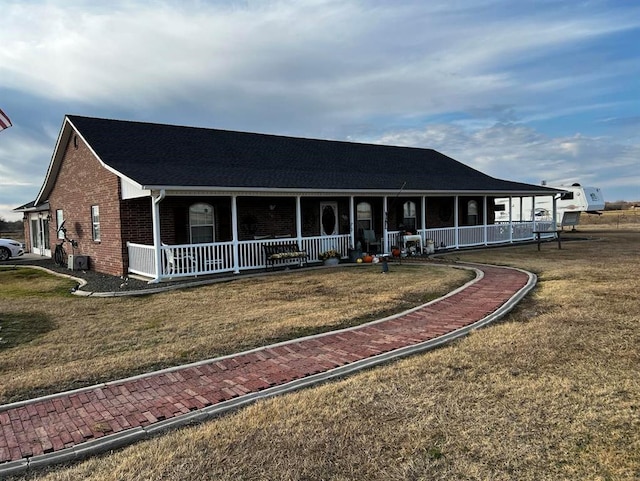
[(397, 58), (517, 152), (505, 87), (23, 165)]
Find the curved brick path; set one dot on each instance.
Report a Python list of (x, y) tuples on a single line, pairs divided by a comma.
[(75, 424)]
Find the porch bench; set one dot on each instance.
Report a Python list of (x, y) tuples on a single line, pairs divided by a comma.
[(281, 253)]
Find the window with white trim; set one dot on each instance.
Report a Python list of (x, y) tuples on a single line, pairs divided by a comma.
[(472, 212), (364, 216), (59, 221), (409, 216), (201, 223), (95, 222)]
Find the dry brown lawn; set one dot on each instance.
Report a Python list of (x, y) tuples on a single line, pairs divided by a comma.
[(552, 392), (54, 341)]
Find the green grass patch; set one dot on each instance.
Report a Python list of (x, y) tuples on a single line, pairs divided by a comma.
[(19, 282), (17, 329)]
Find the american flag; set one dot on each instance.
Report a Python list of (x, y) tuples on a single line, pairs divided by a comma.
[(4, 121)]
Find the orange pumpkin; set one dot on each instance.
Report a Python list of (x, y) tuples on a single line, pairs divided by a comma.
[(368, 258)]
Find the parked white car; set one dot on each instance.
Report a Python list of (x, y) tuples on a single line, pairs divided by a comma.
[(10, 248)]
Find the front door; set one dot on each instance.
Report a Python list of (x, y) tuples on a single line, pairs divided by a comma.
[(328, 225), (39, 227), (329, 218)]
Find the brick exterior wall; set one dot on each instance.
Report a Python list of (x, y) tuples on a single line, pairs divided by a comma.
[(136, 220), (81, 183)]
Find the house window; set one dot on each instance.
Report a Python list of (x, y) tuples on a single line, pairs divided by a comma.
[(201, 223), (409, 216), (95, 222), (59, 221), (472, 212), (364, 216)]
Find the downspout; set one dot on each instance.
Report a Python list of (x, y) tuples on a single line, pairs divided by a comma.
[(157, 241)]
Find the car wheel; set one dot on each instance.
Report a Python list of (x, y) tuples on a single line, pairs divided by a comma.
[(4, 254)]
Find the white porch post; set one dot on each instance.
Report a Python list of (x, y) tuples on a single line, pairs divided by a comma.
[(485, 213), (41, 233), (510, 219), (157, 241), (299, 219), (352, 227), (234, 233), (554, 214), (456, 223), (423, 220), (384, 224), (533, 211), (521, 210)]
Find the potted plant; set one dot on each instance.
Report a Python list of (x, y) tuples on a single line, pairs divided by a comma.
[(330, 257)]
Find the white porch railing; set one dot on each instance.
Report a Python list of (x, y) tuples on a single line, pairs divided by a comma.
[(315, 245), (498, 234), (190, 260), (469, 236), (141, 259)]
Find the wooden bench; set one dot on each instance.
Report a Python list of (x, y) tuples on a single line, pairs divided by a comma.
[(281, 253), (538, 234)]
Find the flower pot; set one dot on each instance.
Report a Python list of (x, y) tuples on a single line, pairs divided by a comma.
[(354, 255), (331, 261)]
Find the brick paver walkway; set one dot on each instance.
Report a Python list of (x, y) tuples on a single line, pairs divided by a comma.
[(75, 424)]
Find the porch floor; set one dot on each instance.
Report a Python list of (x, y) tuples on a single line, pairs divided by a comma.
[(60, 428)]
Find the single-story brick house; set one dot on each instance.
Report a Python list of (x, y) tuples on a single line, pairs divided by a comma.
[(137, 196)]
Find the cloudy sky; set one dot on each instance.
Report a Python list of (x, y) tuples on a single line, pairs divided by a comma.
[(526, 91)]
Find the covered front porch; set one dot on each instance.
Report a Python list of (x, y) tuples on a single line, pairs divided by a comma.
[(315, 224)]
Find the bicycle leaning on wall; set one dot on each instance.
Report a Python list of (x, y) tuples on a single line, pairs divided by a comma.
[(60, 254)]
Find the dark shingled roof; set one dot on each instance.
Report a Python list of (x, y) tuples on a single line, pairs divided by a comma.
[(156, 155)]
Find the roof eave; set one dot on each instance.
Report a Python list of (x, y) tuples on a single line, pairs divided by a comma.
[(292, 191), (54, 163), (56, 160), (33, 208)]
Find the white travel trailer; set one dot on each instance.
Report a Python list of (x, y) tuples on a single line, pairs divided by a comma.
[(569, 206)]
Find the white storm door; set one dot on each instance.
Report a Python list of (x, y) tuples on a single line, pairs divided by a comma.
[(328, 218)]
